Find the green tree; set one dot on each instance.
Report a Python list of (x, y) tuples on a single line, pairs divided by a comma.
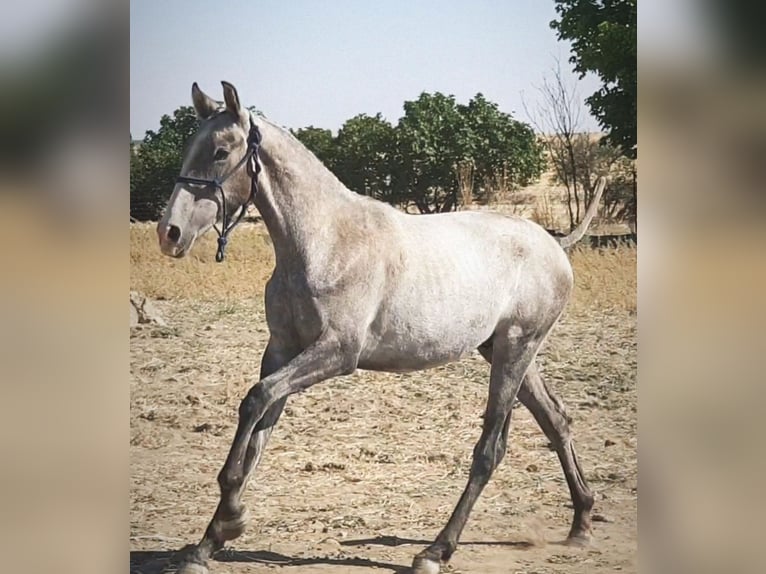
[(448, 151), (603, 36), (432, 141), (436, 150), (504, 152), (320, 142), (366, 148), (157, 161)]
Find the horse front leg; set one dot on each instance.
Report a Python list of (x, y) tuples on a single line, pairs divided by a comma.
[(258, 413)]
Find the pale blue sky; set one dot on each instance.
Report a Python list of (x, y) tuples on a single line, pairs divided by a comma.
[(320, 63)]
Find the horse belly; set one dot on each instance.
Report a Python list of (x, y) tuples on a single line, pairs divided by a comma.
[(402, 340)]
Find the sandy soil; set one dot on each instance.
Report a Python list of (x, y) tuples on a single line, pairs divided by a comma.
[(363, 471)]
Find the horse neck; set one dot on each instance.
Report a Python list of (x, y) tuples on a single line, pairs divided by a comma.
[(298, 196)]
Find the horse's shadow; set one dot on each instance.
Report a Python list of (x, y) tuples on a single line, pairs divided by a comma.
[(167, 561)]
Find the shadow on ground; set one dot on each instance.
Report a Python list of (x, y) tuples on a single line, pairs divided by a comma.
[(396, 541), (167, 561), (164, 561)]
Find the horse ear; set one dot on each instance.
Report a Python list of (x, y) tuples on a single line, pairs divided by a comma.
[(231, 98), (204, 105)]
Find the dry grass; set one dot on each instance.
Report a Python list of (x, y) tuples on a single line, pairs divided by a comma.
[(376, 455), (249, 261), (604, 278), (542, 212)]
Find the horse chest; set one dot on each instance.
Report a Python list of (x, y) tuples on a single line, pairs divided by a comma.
[(291, 312)]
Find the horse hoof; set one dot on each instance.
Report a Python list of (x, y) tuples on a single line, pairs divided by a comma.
[(578, 539), (192, 568), (422, 565), (235, 527)]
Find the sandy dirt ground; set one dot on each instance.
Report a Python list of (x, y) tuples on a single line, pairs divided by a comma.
[(363, 471)]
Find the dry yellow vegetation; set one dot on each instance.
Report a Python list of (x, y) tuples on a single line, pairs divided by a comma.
[(604, 278)]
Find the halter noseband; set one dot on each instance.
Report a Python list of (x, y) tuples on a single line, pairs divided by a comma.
[(253, 169)]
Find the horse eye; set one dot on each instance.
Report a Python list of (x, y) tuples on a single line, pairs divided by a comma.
[(220, 154)]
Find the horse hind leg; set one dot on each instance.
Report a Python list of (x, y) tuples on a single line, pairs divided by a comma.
[(512, 355), (549, 413)]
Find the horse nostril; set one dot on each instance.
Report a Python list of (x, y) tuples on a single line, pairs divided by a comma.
[(174, 233)]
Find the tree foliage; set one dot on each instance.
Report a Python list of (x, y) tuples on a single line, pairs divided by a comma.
[(416, 162), (603, 36), (432, 139), (504, 152), (620, 195), (320, 142), (365, 155), (421, 159)]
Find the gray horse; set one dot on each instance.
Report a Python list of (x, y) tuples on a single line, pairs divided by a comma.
[(352, 289)]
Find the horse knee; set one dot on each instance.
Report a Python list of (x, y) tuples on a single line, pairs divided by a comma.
[(558, 433), (485, 461), (254, 404), (230, 479)]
